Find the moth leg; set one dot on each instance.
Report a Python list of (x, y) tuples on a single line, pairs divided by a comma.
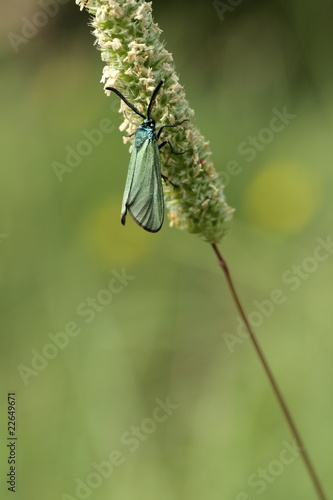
[(166, 180), (171, 148), (169, 126), (129, 135)]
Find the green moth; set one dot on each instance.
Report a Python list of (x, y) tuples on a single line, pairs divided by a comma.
[(143, 195)]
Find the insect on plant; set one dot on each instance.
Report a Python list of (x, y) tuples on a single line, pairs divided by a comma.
[(143, 195)]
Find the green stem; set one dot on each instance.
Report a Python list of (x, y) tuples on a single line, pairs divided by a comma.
[(285, 410)]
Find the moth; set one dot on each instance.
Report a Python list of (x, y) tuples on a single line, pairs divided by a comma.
[(143, 196)]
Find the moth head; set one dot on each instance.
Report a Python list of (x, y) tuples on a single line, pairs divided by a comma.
[(149, 122)]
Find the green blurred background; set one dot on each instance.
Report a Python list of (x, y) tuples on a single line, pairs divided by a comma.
[(165, 334)]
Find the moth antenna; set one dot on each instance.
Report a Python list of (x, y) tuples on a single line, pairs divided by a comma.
[(153, 98), (123, 98)]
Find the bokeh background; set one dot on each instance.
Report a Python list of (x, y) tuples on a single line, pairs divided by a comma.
[(172, 331)]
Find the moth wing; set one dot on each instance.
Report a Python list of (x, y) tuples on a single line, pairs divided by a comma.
[(129, 181), (143, 195)]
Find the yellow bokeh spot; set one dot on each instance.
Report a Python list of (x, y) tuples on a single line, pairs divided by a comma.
[(108, 241), (282, 197)]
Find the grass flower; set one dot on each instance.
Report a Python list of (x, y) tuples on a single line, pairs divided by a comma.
[(136, 60)]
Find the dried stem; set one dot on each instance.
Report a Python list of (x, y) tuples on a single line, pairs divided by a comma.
[(271, 378)]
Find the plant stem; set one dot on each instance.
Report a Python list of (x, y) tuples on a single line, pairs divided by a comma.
[(271, 378)]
